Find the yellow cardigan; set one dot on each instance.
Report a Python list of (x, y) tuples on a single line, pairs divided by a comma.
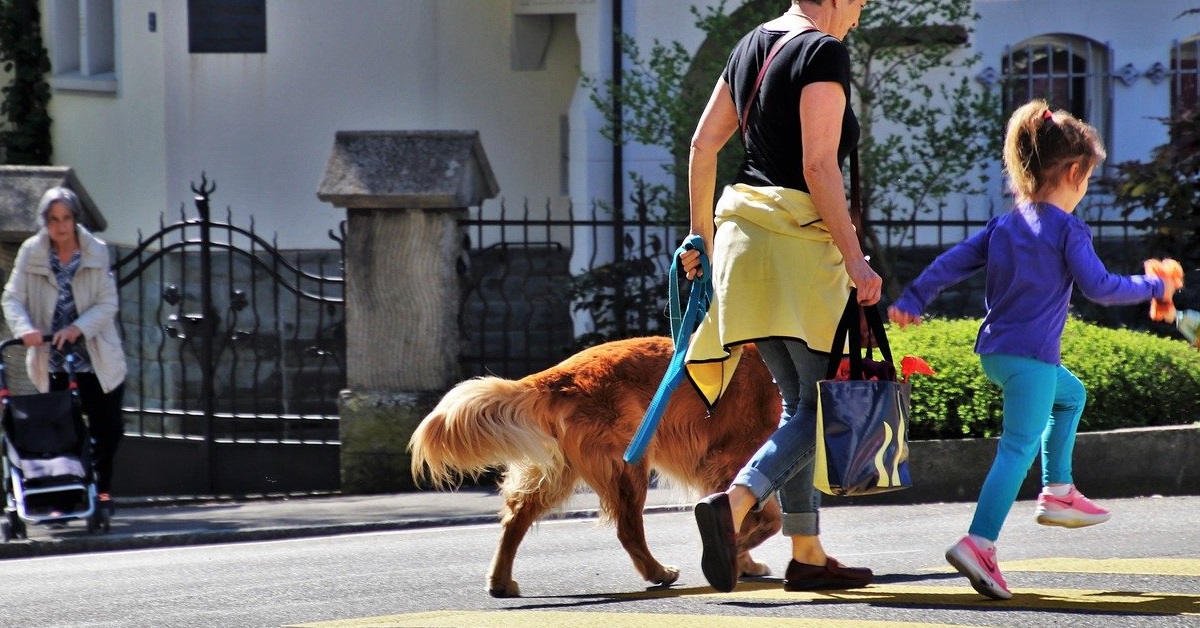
[(776, 274)]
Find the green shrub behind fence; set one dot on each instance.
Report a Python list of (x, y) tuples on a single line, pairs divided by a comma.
[(1133, 378)]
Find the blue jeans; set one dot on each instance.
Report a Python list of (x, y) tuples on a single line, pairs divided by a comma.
[(784, 464), (1042, 407)]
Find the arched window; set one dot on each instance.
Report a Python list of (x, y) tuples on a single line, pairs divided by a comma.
[(1185, 88), (1069, 71)]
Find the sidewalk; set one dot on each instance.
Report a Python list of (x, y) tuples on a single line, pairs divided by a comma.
[(1120, 463), (142, 524)]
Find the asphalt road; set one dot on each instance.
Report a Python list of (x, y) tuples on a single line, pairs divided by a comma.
[(1142, 569)]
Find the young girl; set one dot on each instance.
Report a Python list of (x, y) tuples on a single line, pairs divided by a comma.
[(1032, 256)]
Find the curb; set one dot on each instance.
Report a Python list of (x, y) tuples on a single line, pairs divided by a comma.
[(200, 536), (1132, 462)]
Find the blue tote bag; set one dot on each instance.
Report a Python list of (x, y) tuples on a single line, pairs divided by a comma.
[(862, 421)]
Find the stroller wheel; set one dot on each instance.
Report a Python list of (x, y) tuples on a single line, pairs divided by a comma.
[(13, 527)]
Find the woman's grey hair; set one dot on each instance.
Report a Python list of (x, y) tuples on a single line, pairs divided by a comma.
[(59, 195)]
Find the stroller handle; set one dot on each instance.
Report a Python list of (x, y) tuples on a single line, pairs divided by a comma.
[(12, 342)]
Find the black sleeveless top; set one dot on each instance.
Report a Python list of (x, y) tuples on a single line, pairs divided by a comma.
[(774, 154)]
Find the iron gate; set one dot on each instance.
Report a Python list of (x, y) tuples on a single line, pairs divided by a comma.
[(236, 357)]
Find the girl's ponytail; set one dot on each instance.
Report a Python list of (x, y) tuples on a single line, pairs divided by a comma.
[(1040, 146)]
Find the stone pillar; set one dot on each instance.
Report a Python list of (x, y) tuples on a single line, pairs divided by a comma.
[(404, 193)]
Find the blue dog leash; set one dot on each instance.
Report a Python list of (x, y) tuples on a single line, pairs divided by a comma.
[(682, 327)]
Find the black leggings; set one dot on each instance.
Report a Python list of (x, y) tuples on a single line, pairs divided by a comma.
[(105, 421)]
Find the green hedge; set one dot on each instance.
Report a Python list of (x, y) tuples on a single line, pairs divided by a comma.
[(1133, 378)]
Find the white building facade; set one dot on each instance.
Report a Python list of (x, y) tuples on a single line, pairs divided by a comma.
[(148, 94)]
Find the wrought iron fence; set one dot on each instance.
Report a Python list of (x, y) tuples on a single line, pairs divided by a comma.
[(532, 296), (541, 281)]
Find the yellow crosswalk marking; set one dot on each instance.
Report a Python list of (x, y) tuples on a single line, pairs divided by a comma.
[(1148, 566), (956, 594), (547, 619), (1067, 600)]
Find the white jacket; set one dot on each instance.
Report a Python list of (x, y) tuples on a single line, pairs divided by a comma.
[(30, 295)]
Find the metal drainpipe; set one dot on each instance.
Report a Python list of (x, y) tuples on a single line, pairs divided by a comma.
[(618, 158)]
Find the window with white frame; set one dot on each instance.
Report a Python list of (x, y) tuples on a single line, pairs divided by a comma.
[(1070, 72), (83, 45), (1185, 88)]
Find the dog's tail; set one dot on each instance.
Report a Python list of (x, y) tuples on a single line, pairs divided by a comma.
[(481, 424)]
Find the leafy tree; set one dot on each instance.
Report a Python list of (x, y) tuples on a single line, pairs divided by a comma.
[(660, 94), (1167, 189), (26, 136), (924, 122)]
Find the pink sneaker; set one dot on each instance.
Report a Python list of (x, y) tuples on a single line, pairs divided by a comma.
[(1072, 511), (980, 567)]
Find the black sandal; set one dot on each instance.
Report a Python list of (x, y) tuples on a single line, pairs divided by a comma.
[(718, 561)]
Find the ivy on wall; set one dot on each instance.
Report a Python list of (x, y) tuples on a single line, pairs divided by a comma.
[(25, 136)]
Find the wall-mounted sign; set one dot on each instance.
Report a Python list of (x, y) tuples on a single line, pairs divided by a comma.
[(227, 26)]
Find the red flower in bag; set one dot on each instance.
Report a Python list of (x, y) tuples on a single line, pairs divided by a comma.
[(872, 370)]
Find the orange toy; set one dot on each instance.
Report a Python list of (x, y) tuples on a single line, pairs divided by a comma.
[(1171, 274)]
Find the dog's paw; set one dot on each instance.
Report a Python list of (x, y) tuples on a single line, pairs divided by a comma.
[(666, 576), (509, 590), (751, 568)]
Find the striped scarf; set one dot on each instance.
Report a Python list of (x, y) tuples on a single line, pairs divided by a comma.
[(65, 314)]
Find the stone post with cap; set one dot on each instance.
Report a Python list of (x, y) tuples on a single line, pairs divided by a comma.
[(404, 193)]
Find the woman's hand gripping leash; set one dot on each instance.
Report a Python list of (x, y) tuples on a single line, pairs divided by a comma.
[(689, 258)]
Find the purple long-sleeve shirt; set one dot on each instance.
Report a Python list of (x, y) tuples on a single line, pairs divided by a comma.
[(1033, 255)]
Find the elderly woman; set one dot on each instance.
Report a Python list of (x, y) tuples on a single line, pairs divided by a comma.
[(60, 285), (784, 257)]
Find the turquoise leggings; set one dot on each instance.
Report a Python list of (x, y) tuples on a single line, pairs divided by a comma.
[(1042, 406)]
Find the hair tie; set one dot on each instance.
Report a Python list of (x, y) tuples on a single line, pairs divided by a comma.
[(1048, 116)]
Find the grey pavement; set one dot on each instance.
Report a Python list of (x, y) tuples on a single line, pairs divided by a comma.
[(1120, 463), (147, 523)]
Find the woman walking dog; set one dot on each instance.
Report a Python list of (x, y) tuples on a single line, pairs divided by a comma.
[(784, 258)]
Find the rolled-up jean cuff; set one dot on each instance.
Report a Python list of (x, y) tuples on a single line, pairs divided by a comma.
[(801, 524), (758, 484)]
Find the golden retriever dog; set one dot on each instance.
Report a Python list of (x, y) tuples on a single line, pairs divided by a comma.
[(571, 423)]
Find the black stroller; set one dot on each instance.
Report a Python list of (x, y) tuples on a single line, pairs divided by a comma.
[(47, 453)]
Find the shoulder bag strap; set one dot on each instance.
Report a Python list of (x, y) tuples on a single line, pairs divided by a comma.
[(788, 36), (856, 202)]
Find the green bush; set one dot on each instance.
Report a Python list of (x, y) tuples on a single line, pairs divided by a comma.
[(1133, 378)]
